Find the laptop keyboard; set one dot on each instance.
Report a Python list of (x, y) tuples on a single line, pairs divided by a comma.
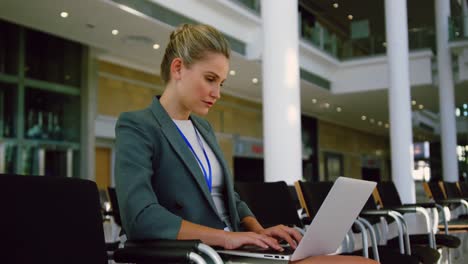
[(287, 250)]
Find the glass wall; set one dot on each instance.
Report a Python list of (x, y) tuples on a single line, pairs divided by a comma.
[(40, 84)]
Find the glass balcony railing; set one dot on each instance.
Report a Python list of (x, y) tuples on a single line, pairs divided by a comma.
[(340, 48), (422, 38), (458, 28), (253, 5)]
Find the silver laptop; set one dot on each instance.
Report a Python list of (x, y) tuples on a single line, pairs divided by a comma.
[(329, 227)]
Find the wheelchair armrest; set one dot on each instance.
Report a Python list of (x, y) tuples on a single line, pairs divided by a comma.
[(157, 250), (163, 243), (148, 255)]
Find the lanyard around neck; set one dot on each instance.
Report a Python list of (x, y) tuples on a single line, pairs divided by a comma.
[(209, 175)]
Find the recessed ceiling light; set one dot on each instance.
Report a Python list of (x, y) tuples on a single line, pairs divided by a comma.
[(380, 123), (457, 111), (372, 120), (363, 117), (327, 105), (156, 46), (387, 126), (336, 5), (314, 101), (338, 109), (421, 106), (232, 72), (64, 14), (413, 102), (115, 32), (465, 106), (350, 17), (384, 44), (255, 80)]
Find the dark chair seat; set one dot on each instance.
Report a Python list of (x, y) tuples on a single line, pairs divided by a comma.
[(391, 256), (425, 254), (423, 239)]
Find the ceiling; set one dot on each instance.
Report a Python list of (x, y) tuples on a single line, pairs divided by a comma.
[(91, 21)]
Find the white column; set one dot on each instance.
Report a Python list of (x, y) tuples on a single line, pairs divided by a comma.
[(88, 116), (448, 135), (399, 99), (281, 92)]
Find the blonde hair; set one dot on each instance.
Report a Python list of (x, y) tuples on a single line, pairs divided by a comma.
[(191, 43)]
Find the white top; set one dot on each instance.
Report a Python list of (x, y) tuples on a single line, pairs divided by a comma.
[(217, 187)]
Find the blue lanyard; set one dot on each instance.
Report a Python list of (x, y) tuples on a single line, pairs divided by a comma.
[(208, 177)]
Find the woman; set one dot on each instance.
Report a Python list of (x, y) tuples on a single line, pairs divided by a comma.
[(172, 179)]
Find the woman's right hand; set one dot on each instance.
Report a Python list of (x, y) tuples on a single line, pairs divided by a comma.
[(233, 240)]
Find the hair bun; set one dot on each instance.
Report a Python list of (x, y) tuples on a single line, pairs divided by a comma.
[(178, 30), (191, 43)]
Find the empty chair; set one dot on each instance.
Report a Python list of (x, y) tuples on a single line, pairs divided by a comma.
[(271, 203), (435, 191), (58, 220), (454, 194), (312, 195), (390, 199)]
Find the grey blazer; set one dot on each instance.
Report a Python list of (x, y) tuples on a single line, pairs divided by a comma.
[(158, 180)]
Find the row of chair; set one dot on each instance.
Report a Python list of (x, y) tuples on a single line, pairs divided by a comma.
[(267, 199), (451, 197), (59, 220)]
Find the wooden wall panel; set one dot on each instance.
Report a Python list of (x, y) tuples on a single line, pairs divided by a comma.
[(124, 89), (353, 144), (116, 96), (103, 167)]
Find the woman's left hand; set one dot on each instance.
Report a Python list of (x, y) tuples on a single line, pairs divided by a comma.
[(282, 232)]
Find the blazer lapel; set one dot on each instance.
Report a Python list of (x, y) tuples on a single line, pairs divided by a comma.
[(211, 140), (170, 131)]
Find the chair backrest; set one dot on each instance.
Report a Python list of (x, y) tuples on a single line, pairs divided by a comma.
[(313, 194), (451, 190), (370, 204), (293, 194), (50, 220), (270, 202), (388, 194), (115, 205), (436, 192), (464, 188)]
